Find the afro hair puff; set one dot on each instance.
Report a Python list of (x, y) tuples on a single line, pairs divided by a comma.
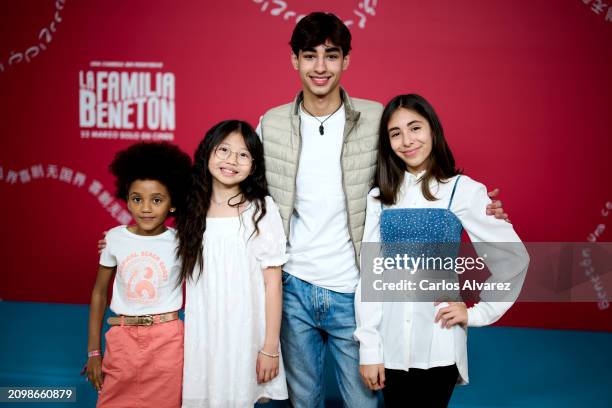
[(160, 161)]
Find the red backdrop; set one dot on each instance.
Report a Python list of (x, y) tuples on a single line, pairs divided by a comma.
[(523, 89)]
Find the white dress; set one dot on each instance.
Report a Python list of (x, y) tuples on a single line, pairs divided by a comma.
[(225, 313)]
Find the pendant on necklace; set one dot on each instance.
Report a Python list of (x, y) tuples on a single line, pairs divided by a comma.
[(321, 130)]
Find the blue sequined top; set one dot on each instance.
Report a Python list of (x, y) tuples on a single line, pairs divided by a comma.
[(412, 231)]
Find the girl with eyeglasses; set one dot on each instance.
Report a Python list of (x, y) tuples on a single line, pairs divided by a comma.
[(232, 247)]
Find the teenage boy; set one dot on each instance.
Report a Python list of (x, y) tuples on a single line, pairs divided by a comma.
[(320, 155)]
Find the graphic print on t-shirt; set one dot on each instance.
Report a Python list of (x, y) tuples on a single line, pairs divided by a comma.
[(142, 273)]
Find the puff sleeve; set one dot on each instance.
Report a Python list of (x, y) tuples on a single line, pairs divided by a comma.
[(270, 245)]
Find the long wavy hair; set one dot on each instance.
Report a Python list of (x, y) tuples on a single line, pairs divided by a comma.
[(191, 223), (390, 169)]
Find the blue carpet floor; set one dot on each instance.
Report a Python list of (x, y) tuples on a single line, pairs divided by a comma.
[(44, 345)]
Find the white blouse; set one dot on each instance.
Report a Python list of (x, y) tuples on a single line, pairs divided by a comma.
[(389, 332)]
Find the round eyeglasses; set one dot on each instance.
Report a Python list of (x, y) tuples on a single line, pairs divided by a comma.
[(223, 152)]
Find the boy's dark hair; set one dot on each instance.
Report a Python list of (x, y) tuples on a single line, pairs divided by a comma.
[(160, 161), (318, 27)]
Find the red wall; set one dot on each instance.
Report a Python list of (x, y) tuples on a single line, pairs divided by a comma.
[(523, 88)]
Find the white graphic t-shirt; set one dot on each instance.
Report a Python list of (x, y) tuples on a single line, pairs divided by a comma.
[(147, 272)]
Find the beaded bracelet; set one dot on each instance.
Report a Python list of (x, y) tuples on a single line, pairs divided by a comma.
[(93, 353), (269, 355)]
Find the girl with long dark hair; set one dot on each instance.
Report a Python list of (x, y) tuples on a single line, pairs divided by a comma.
[(232, 245), (415, 351)]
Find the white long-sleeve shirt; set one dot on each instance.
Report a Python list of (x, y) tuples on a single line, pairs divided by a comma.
[(391, 332)]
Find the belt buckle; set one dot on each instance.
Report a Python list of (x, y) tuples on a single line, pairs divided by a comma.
[(146, 320)]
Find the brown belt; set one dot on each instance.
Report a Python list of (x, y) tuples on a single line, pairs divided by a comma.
[(146, 320)]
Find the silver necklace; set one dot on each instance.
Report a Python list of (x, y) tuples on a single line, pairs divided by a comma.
[(221, 203), (321, 122)]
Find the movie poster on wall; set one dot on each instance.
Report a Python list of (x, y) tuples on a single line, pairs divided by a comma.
[(127, 101)]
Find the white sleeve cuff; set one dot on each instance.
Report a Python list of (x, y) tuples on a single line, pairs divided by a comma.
[(475, 318), (485, 313), (274, 260), (370, 356)]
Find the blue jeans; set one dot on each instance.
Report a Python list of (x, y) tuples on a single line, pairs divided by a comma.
[(315, 318)]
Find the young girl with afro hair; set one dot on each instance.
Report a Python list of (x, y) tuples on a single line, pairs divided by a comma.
[(143, 362)]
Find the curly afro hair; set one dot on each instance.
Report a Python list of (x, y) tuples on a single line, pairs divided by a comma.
[(160, 161)]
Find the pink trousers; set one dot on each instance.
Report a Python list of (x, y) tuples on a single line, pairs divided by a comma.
[(143, 366)]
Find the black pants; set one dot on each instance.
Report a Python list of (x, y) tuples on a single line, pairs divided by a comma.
[(420, 388)]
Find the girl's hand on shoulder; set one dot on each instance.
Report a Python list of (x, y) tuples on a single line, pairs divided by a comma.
[(373, 376), (94, 372), (454, 313), (266, 368)]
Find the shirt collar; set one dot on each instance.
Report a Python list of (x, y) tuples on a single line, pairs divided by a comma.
[(414, 178)]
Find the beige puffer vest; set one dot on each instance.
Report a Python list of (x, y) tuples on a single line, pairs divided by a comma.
[(280, 132)]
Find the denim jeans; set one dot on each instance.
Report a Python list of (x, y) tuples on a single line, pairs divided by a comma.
[(315, 318)]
